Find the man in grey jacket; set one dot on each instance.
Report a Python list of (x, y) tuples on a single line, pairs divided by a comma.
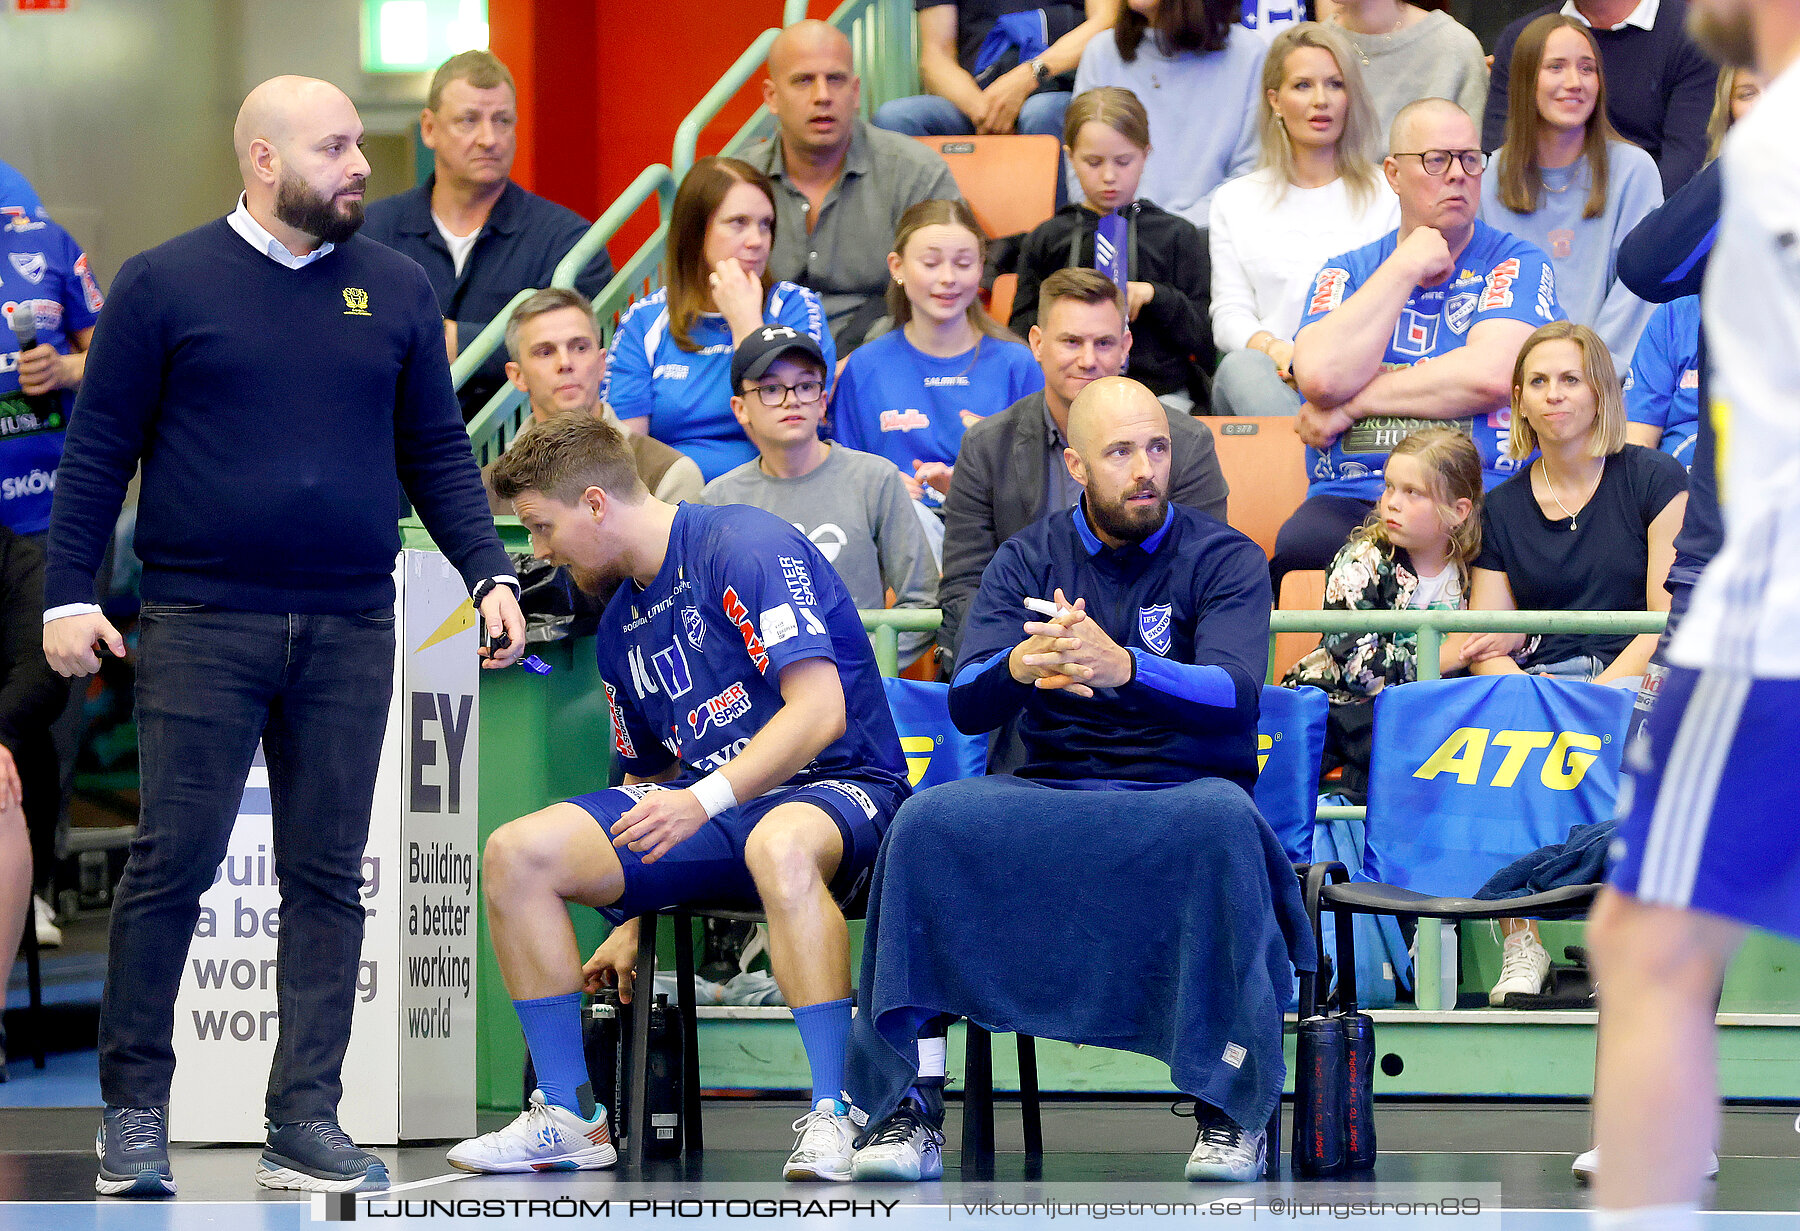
[(1010, 471)]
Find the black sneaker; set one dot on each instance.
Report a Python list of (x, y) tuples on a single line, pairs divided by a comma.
[(317, 1156), (133, 1145)]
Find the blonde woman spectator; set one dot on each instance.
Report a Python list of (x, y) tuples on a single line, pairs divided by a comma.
[(1566, 182), (1315, 194)]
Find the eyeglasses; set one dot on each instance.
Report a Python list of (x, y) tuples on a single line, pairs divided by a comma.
[(805, 393), (1437, 162)]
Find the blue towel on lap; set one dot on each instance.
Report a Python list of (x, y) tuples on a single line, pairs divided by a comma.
[(1580, 860), (1158, 921)]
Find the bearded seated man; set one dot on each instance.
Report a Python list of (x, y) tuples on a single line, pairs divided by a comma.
[(1120, 888)]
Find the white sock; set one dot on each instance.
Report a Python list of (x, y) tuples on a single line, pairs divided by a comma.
[(931, 1056), (1648, 1218)]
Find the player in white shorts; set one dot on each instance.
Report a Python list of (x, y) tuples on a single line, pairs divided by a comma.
[(1709, 845)]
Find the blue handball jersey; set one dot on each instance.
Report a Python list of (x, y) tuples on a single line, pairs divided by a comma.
[(1663, 386), (1498, 277), (896, 401), (687, 394), (691, 662), (46, 274)]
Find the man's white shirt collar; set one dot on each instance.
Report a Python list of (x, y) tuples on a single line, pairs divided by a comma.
[(1643, 16), (258, 237)]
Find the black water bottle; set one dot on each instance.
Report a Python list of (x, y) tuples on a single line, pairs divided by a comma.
[(664, 1079), (1359, 1091), (1319, 1096)]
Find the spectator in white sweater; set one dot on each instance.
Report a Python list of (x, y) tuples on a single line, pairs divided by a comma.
[(1566, 182), (1409, 52), (1315, 194), (1196, 70)]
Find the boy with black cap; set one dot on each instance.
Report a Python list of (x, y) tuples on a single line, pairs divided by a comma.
[(852, 505), (761, 769)]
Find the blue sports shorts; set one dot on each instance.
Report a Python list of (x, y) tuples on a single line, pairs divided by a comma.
[(1708, 798), (708, 868)]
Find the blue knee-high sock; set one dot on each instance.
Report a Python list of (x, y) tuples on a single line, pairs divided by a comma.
[(553, 1032), (825, 1033)]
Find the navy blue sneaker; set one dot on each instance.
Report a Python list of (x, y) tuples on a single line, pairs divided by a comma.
[(317, 1156), (133, 1145)]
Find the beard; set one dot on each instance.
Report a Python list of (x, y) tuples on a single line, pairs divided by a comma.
[(320, 217), (1129, 523), (1729, 38), (595, 583)]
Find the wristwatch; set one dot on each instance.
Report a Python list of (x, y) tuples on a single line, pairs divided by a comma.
[(1040, 71)]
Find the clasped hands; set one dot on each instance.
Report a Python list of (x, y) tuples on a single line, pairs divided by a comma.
[(1069, 652)]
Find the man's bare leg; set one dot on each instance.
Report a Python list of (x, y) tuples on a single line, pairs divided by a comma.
[(530, 870), (792, 854), (1656, 1104)]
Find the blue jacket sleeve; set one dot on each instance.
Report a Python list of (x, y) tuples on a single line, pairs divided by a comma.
[(107, 432), (431, 448), (984, 694), (1664, 257), (1221, 688)]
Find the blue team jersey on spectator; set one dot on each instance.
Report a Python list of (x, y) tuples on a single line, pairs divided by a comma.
[(896, 401), (46, 273), (1663, 386), (1498, 277), (687, 394), (691, 662)]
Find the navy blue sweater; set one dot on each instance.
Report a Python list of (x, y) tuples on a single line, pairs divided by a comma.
[(272, 409), (1191, 604), (1659, 89)]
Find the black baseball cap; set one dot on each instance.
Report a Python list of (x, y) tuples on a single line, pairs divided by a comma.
[(761, 349)]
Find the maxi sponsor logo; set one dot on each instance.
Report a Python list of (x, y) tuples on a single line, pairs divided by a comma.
[(739, 615)]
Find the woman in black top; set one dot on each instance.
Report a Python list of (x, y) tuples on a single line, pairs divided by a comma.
[(1588, 526), (1163, 257)]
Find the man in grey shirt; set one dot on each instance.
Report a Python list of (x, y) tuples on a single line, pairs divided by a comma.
[(852, 505), (1011, 471), (840, 184)]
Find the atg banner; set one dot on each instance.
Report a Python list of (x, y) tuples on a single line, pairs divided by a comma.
[(1470, 774)]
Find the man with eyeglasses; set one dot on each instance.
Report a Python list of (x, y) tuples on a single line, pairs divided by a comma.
[(852, 505), (1419, 327), (761, 769)]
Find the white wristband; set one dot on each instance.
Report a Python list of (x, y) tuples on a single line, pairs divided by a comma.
[(714, 793)]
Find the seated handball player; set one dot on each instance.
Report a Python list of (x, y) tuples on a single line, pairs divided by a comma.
[(1121, 889), (761, 766)]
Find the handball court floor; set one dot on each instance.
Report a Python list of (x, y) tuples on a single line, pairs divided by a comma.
[(1093, 1151)]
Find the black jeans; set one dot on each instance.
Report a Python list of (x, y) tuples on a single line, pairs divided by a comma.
[(314, 689)]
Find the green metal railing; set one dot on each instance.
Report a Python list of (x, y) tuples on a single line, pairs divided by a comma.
[(886, 627), (882, 36), (1432, 625)]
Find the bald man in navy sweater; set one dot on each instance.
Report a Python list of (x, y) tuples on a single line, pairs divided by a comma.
[(282, 380)]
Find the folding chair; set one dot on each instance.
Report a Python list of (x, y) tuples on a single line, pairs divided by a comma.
[(1466, 776)]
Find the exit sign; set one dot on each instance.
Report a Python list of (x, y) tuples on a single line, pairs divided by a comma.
[(41, 6)]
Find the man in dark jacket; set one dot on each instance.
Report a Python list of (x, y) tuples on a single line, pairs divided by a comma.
[(481, 238), (1010, 471)]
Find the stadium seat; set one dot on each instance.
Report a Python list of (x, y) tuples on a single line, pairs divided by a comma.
[(1300, 591), (1468, 775), (1265, 464), (1000, 299), (1008, 181)]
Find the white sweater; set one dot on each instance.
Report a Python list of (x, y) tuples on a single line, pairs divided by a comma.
[(1265, 254)]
